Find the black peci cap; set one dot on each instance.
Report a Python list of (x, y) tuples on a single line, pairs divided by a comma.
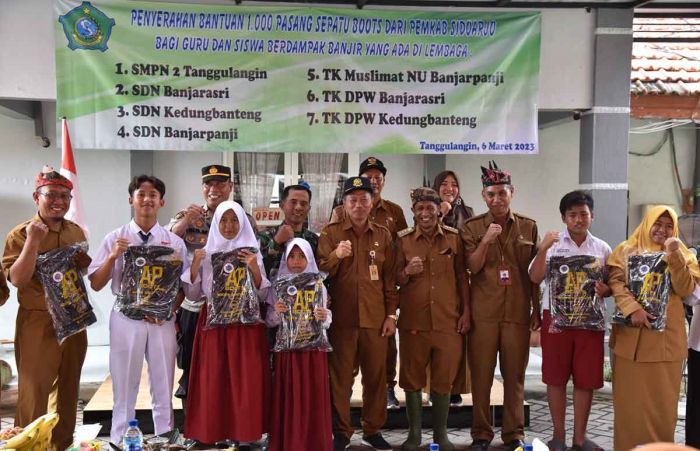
[(357, 183)]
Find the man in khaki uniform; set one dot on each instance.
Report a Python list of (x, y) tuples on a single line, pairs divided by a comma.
[(389, 215), (359, 259), (49, 373), (504, 306), (434, 300)]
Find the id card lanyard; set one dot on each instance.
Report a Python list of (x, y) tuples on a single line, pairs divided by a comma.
[(373, 270), (504, 274)]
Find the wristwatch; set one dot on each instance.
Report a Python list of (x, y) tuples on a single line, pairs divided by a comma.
[(394, 317)]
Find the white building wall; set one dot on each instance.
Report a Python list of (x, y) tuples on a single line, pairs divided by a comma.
[(652, 179)]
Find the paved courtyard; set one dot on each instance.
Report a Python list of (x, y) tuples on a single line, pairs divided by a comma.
[(600, 424)]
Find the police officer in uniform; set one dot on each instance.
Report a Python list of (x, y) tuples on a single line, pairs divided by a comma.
[(192, 225)]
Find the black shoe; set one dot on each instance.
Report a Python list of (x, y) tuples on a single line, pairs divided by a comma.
[(480, 445), (340, 442), (456, 400), (391, 401), (181, 392), (515, 444), (375, 441)]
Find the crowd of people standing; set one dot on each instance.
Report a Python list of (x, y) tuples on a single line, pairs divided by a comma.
[(461, 291)]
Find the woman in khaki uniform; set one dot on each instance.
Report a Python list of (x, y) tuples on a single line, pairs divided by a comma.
[(647, 365)]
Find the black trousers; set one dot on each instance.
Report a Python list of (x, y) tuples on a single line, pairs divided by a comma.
[(187, 327), (692, 404)]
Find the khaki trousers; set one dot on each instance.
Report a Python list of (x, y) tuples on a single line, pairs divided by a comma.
[(48, 373), (366, 349), (510, 343), (434, 350)]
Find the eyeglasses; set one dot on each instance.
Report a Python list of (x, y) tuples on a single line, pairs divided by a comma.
[(65, 197)]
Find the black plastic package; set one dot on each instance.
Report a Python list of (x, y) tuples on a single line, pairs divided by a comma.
[(233, 297), (66, 297), (150, 282), (649, 282), (299, 329), (573, 303)]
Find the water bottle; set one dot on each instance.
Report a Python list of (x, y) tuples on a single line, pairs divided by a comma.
[(434, 447), (133, 437)]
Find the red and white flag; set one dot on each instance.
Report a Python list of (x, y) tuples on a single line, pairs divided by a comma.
[(75, 212)]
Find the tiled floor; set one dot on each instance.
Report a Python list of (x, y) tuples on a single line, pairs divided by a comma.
[(600, 424)]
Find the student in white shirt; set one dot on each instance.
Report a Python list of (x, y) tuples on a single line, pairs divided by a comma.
[(131, 339), (571, 353)]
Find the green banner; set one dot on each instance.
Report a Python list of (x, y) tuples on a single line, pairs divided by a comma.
[(165, 76)]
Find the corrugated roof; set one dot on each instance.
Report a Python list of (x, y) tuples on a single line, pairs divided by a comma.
[(666, 68)]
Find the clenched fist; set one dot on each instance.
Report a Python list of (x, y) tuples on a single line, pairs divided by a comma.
[(344, 249), (492, 233)]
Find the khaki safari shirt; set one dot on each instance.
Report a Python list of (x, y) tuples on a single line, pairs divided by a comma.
[(355, 299), (31, 296), (514, 249), (432, 299)]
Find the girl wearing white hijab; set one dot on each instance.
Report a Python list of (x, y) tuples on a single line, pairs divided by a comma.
[(229, 388), (301, 405)]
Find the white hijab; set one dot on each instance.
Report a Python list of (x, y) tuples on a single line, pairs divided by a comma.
[(245, 238), (217, 243), (308, 253)]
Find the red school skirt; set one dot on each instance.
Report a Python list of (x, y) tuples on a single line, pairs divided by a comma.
[(228, 396), (301, 403)]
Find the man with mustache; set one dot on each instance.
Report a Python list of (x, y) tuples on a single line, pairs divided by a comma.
[(505, 307), (295, 203), (49, 372), (192, 225), (431, 271)]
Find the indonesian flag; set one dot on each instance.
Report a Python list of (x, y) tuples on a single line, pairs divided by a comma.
[(75, 212)]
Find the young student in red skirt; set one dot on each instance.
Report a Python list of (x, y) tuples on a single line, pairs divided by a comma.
[(301, 404), (230, 382)]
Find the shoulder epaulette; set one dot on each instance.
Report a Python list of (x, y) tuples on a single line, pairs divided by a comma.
[(449, 229), (475, 218), (405, 232)]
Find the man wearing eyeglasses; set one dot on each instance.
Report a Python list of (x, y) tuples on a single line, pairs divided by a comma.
[(49, 372)]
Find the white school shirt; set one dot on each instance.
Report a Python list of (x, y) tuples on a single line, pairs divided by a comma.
[(566, 247), (160, 236)]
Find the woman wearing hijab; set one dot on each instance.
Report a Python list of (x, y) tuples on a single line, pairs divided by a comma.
[(454, 212), (301, 404), (648, 363), (229, 388)]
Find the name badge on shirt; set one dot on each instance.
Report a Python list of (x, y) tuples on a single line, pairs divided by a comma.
[(373, 270), (504, 274)]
